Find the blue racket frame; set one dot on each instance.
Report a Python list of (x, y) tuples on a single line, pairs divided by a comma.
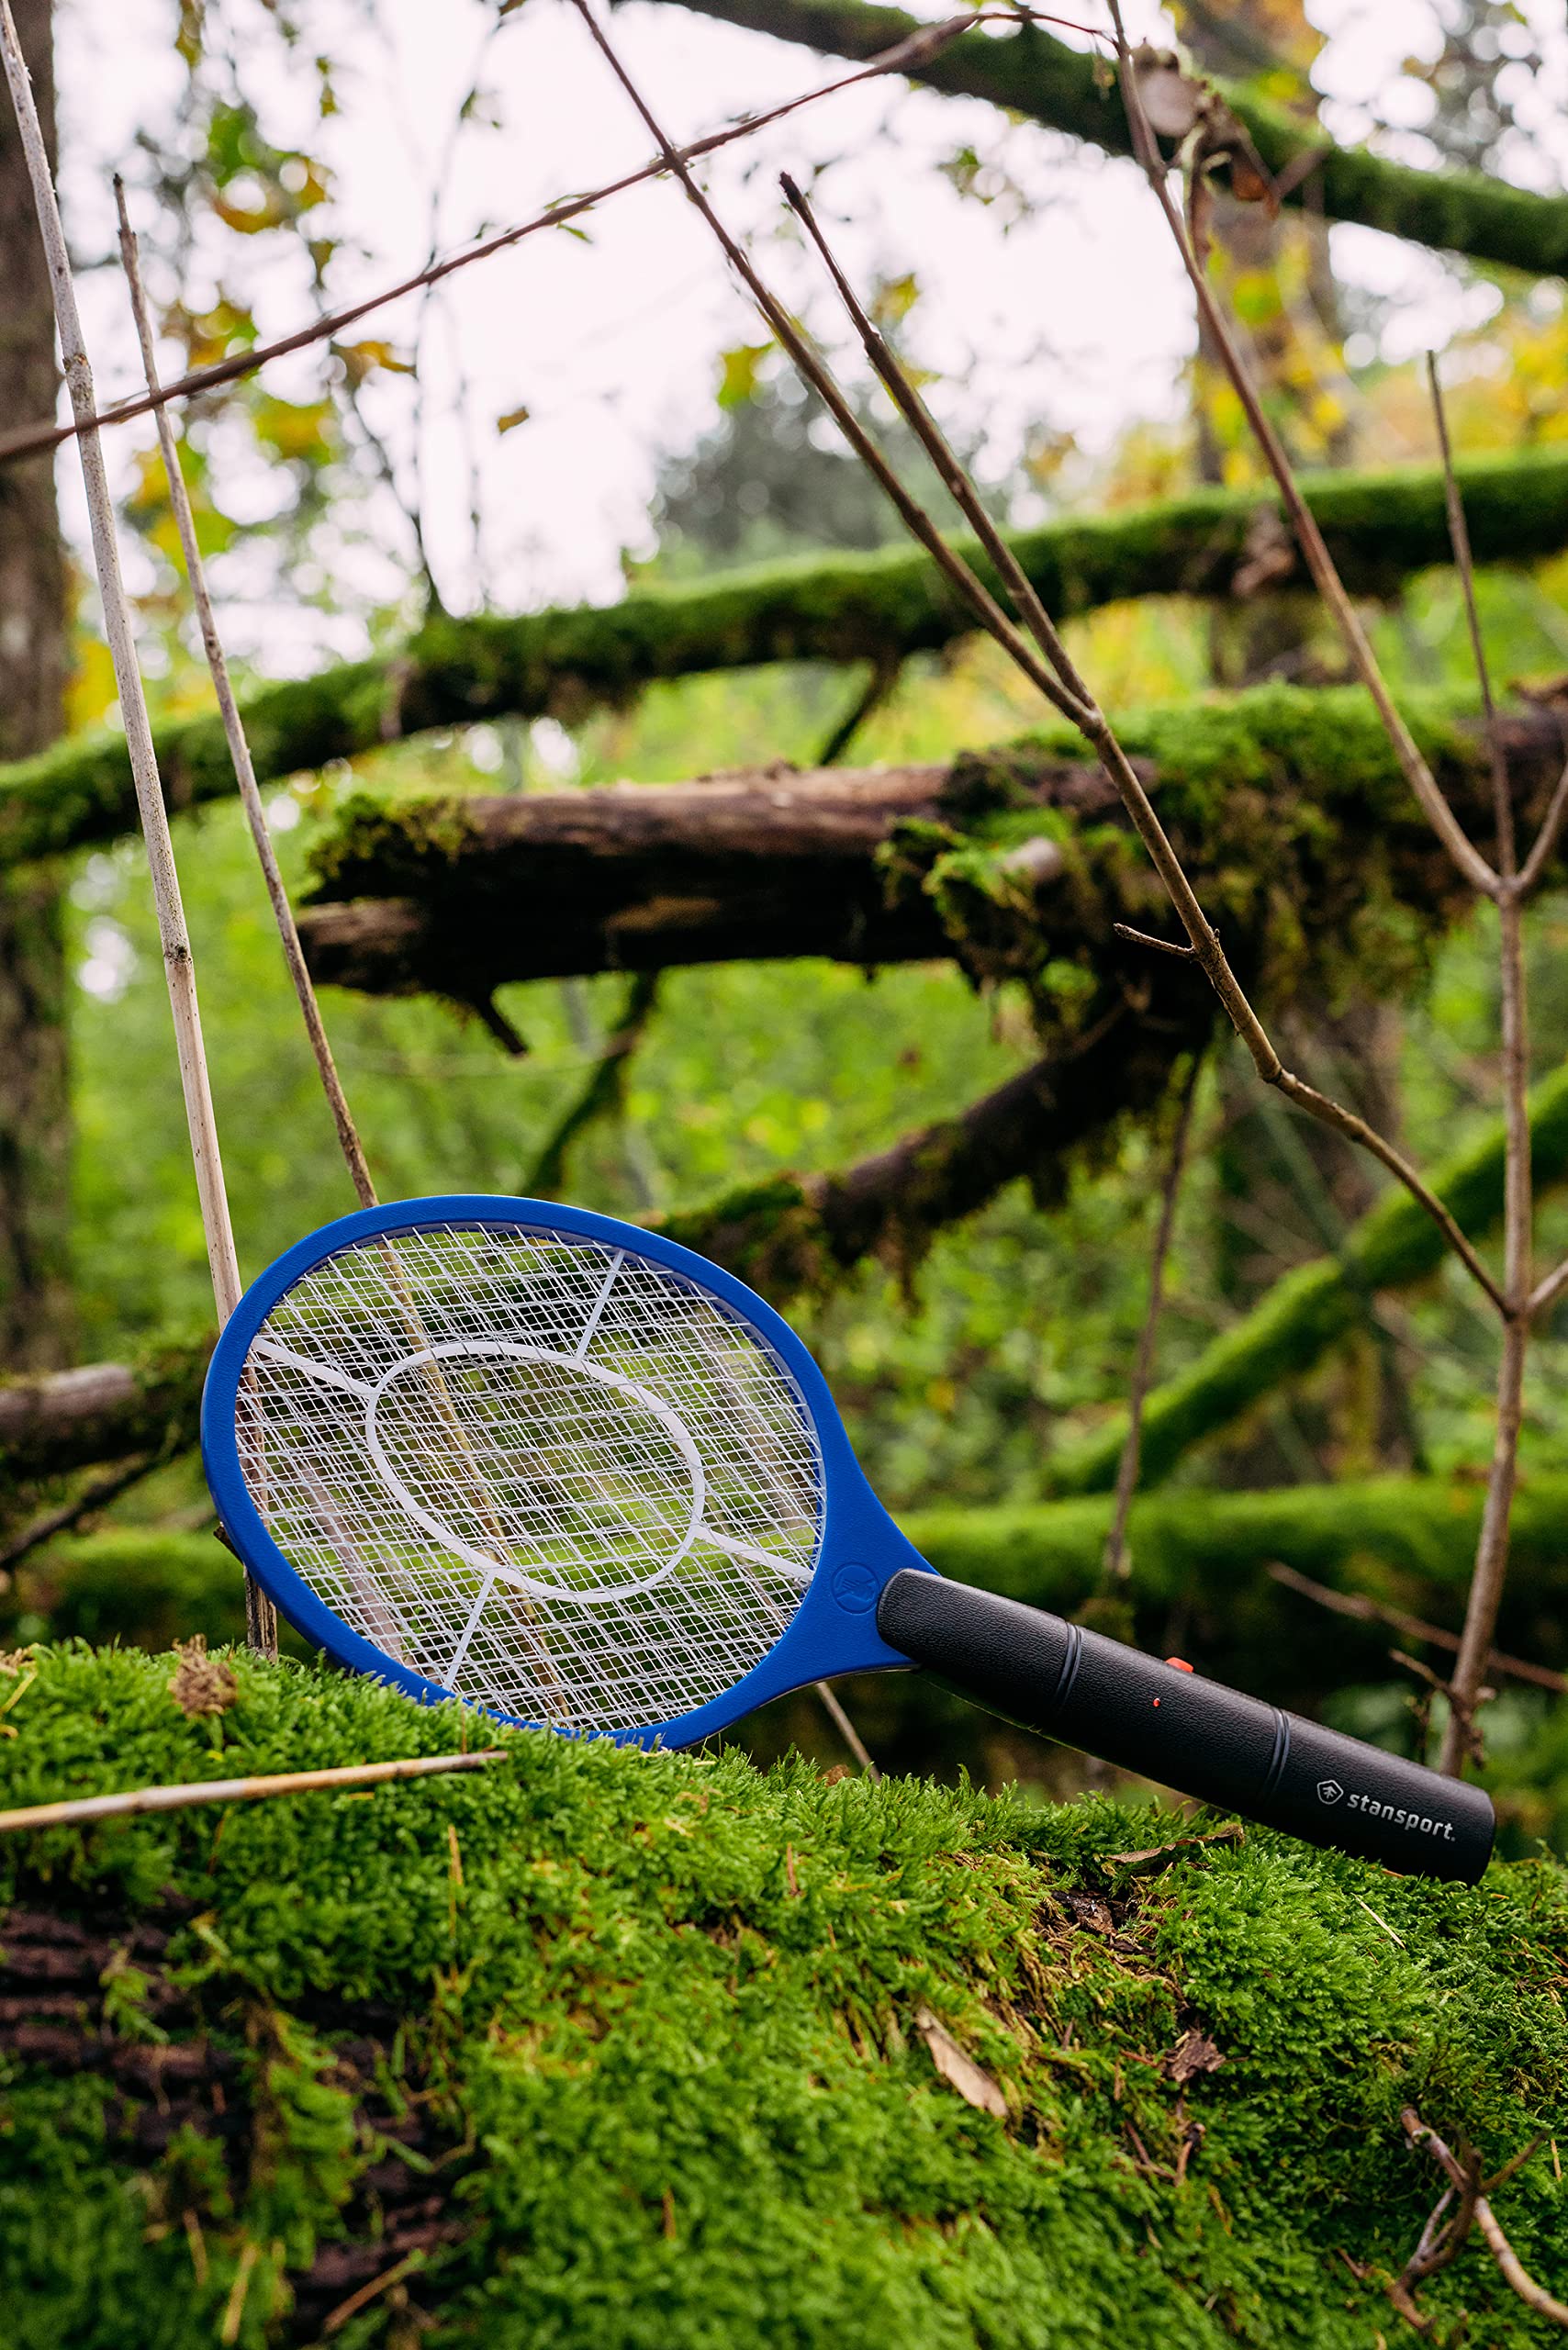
[(835, 1629)]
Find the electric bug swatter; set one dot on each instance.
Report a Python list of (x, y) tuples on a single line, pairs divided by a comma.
[(576, 1476)]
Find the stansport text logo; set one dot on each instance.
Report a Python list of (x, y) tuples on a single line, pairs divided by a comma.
[(1418, 1822)]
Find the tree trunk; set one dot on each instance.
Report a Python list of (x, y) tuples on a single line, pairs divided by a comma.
[(35, 1113)]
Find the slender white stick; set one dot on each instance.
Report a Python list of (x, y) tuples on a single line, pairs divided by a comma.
[(286, 1783), (178, 966), (234, 729)]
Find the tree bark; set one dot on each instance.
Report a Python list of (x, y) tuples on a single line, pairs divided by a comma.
[(35, 1114)]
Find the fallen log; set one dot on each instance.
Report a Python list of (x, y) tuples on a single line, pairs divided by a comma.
[(53, 1422), (1288, 802)]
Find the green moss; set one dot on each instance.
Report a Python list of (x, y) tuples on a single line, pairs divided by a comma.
[(652, 2026), (415, 833)]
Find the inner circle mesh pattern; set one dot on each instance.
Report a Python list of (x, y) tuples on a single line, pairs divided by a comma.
[(548, 1474)]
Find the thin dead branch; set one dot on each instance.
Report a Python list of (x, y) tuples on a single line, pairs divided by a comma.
[(183, 1794), (1098, 731), (1439, 2243), (1460, 1740), (234, 728), (604, 1093), (1309, 538), (832, 1708), (959, 574), (1065, 688), (1362, 1610), (928, 43)]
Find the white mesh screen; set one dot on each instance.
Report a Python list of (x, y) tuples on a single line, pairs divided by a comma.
[(548, 1474)]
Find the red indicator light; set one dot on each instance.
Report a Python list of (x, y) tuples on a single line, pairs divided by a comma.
[(1180, 1662), (1156, 1701)]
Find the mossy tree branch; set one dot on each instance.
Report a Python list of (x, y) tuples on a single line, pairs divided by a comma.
[(1310, 1310), (1287, 805), (797, 1233), (60, 1421), (1032, 74), (878, 607), (1200, 1576)]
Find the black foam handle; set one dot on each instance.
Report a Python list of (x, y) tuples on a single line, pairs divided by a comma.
[(1195, 1735)]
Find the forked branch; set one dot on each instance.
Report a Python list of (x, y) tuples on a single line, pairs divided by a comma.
[(1442, 2237), (1309, 538), (1099, 733), (1056, 676)]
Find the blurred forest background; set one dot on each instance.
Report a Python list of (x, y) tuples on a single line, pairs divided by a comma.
[(362, 531)]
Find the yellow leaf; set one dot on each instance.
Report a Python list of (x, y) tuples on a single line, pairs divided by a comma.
[(740, 369)]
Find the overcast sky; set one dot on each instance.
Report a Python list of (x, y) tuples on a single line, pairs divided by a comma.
[(1076, 319)]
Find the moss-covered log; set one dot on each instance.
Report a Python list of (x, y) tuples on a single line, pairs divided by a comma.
[(1031, 72), (1308, 1311), (879, 608), (58, 1421), (1200, 1575), (604, 2049), (461, 895), (1200, 1579)]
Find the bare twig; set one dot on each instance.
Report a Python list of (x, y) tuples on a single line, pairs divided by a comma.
[(927, 43), (1532, 872), (336, 2318), (834, 1710), (1547, 1293), (284, 1783), (234, 729), (1161, 945), (960, 574), (1473, 2206), (95, 1495), (179, 969), (1362, 1610), (1091, 721), (1114, 1561), (1309, 538), (1492, 1549), (885, 674)]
